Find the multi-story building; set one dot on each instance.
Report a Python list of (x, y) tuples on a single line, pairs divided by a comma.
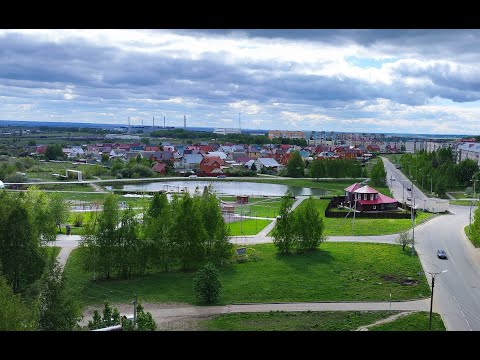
[(286, 134), (225, 131)]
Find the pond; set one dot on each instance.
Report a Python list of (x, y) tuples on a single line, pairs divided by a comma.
[(222, 187)]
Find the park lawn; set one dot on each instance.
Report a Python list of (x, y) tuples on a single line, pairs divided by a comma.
[(94, 197), (461, 202), (473, 240), (419, 321), (461, 195), (247, 226), (365, 226), (66, 187), (268, 208), (293, 321), (251, 199), (336, 272)]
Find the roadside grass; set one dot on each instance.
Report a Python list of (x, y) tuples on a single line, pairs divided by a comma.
[(473, 240), (419, 321), (461, 195), (293, 321), (247, 227), (365, 226), (335, 272), (462, 202)]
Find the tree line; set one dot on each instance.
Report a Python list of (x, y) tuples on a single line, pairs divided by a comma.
[(32, 286), (184, 233), (438, 169)]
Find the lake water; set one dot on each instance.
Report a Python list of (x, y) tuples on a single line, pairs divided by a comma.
[(222, 187)]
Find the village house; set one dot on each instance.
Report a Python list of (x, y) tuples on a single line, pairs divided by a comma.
[(366, 198), (160, 168), (211, 165), (267, 163)]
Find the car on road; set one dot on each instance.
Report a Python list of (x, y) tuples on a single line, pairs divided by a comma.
[(193, 176), (221, 177), (409, 199), (441, 254), (409, 189), (398, 166)]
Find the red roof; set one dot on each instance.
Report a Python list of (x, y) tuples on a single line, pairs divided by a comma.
[(381, 199), (353, 187), (210, 160), (159, 167), (366, 190)]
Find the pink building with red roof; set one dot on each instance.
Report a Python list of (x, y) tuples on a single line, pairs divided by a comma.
[(366, 198)]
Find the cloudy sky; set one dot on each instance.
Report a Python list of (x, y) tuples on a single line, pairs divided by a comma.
[(405, 81)]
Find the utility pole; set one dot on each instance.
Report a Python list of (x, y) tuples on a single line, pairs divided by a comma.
[(431, 298), (164, 122), (153, 123), (354, 212), (413, 222), (185, 122), (470, 226), (135, 311)]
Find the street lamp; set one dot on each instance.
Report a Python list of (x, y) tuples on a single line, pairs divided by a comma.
[(431, 298)]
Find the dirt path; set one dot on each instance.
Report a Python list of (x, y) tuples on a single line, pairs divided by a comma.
[(384, 321)]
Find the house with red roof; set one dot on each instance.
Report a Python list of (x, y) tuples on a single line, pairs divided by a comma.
[(366, 198), (160, 168), (210, 163)]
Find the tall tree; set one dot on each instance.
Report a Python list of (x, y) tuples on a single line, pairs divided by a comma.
[(14, 314), (378, 174), (308, 225), (58, 209), (296, 165), (218, 248), (54, 152), (58, 311), (284, 230)]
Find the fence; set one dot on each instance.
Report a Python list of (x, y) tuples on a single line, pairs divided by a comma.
[(337, 200)]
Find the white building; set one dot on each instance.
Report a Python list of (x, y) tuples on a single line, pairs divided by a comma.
[(225, 131), (468, 151)]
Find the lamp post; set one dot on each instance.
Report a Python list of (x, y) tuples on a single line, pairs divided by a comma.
[(431, 298), (431, 183), (470, 223)]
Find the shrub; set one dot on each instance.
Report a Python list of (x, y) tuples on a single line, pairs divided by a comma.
[(207, 284)]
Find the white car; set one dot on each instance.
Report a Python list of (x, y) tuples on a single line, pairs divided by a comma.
[(193, 176)]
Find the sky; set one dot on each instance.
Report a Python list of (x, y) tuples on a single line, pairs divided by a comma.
[(375, 81)]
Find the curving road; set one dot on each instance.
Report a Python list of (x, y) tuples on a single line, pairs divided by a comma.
[(456, 292)]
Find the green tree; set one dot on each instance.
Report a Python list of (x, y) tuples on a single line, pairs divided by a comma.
[(465, 171), (54, 152), (308, 226), (296, 165), (58, 209), (105, 158), (253, 167), (404, 239), (21, 254), (475, 226), (189, 231), (218, 247), (32, 142), (58, 311), (284, 230), (441, 186), (111, 317), (378, 174), (145, 321), (207, 284), (14, 314)]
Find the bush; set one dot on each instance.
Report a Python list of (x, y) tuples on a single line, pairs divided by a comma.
[(78, 220), (207, 284)]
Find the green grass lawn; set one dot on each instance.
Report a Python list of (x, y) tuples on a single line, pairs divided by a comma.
[(365, 226), (462, 202), (293, 321), (473, 240), (336, 272), (66, 187), (461, 195), (266, 208), (419, 321), (247, 227)]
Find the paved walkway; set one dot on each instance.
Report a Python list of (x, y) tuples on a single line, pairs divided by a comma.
[(384, 321), (162, 313)]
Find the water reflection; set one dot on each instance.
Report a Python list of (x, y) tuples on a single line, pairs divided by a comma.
[(222, 187)]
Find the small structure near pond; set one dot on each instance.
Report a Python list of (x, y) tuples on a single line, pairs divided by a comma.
[(242, 199)]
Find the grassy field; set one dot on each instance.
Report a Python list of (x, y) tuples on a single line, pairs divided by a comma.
[(419, 321), (66, 187), (473, 240), (336, 272), (247, 227), (462, 195), (461, 202), (263, 208), (44, 170), (294, 321), (365, 226)]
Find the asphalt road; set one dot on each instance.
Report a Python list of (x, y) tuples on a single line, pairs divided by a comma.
[(457, 291)]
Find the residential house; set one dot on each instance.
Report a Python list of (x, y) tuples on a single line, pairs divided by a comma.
[(191, 161), (267, 163), (211, 164), (160, 168), (366, 198), (253, 151)]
